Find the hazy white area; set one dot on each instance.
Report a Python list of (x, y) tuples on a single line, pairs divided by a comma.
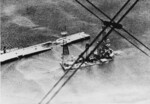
[(124, 81)]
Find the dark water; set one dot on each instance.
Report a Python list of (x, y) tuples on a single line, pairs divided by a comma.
[(124, 81)]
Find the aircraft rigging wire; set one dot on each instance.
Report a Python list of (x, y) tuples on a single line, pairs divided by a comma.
[(90, 53), (89, 10), (128, 34), (135, 38), (112, 20), (53, 87), (122, 27), (113, 27), (80, 56), (99, 9), (74, 72), (131, 42)]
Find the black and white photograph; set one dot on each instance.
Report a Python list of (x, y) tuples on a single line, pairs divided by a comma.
[(75, 52)]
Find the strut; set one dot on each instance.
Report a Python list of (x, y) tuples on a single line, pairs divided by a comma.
[(121, 27), (81, 55), (112, 28), (112, 24)]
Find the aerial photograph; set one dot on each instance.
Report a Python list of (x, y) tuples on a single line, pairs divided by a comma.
[(75, 52)]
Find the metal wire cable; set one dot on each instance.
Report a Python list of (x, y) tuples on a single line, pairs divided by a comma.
[(124, 31), (113, 27), (135, 38), (131, 42), (88, 10), (120, 12), (53, 87), (114, 22), (90, 53), (80, 56), (74, 72)]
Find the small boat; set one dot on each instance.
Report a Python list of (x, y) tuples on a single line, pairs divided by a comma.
[(67, 65), (103, 55)]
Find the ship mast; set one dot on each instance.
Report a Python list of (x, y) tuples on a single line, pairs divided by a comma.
[(63, 34)]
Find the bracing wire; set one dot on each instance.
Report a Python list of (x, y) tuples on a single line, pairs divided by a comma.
[(131, 43), (122, 27), (79, 57), (90, 53), (53, 87), (74, 72), (135, 38), (113, 27)]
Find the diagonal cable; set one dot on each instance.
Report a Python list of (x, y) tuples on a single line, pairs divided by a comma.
[(122, 27), (90, 53), (74, 72), (88, 10), (131, 42), (135, 38), (81, 55), (120, 12), (113, 27)]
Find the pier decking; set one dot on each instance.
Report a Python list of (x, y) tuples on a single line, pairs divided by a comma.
[(41, 47)]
